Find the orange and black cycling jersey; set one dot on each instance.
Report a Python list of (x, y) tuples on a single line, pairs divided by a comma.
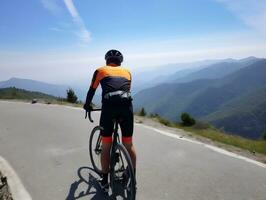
[(111, 79)]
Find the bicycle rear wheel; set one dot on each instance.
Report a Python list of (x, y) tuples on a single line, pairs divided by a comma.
[(122, 177), (95, 148)]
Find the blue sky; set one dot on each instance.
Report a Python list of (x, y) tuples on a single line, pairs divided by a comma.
[(71, 36)]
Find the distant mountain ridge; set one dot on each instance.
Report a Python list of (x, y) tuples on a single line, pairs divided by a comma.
[(217, 70), (205, 97), (186, 72), (32, 85)]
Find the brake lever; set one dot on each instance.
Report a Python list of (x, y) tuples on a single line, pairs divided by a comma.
[(90, 117), (88, 114)]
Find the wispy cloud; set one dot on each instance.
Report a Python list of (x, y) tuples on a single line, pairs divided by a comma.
[(53, 6), (252, 12), (83, 33), (56, 8)]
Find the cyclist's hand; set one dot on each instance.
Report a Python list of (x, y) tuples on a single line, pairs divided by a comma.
[(87, 107)]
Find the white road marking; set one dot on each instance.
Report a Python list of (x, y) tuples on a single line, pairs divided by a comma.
[(213, 148), (17, 189)]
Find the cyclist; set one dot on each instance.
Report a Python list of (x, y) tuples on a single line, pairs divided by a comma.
[(116, 104)]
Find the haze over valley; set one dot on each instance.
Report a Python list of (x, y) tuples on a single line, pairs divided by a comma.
[(228, 93)]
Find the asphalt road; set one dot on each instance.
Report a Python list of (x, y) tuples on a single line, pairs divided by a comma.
[(48, 148)]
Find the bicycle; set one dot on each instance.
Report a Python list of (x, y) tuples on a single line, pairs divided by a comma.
[(122, 177)]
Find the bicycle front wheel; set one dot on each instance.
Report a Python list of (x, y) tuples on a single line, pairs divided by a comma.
[(122, 177), (95, 148)]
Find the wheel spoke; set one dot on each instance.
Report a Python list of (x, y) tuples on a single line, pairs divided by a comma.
[(122, 180), (95, 148)]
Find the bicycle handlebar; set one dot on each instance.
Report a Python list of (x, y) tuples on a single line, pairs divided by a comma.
[(88, 113)]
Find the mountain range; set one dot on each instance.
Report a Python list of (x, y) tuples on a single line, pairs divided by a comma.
[(230, 95), (32, 85), (39, 86), (185, 72)]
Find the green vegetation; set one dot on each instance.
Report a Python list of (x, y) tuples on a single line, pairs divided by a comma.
[(14, 93), (264, 136), (162, 120), (142, 112), (151, 115), (258, 146), (208, 131), (187, 120), (165, 122), (71, 96)]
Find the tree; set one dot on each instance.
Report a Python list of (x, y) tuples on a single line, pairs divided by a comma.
[(264, 136), (142, 112), (187, 120), (14, 92), (152, 115), (71, 96)]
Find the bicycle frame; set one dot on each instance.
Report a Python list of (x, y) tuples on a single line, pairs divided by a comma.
[(116, 140), (120, 164)]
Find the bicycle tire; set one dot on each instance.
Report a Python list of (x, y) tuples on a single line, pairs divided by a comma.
[(95, 153), (117, 181)]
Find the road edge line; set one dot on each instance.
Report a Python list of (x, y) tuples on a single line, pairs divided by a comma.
[(18, 191), (211, 147)]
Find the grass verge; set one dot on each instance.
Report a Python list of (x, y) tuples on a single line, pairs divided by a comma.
[(208, 131), (253, 146)]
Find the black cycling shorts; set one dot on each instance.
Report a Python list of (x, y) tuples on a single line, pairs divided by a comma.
[(124, 113)]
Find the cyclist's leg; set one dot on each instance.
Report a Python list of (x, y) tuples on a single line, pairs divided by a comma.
[(105, 156), (127, 126), (127, 142), (107, 124)]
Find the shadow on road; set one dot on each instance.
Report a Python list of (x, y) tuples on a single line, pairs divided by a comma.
[(87, 185)]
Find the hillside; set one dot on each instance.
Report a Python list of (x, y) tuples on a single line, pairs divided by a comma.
[(32, 85), (169, 99), (224, 90), (245, 114), (203, 97), (187, 72), (217, 70), (153, 76), (14, 93)]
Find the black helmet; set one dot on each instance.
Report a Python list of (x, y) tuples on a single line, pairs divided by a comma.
[(114, 54)]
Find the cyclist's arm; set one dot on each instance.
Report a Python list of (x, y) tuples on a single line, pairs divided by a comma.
[(94, 84), (130, 80)]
